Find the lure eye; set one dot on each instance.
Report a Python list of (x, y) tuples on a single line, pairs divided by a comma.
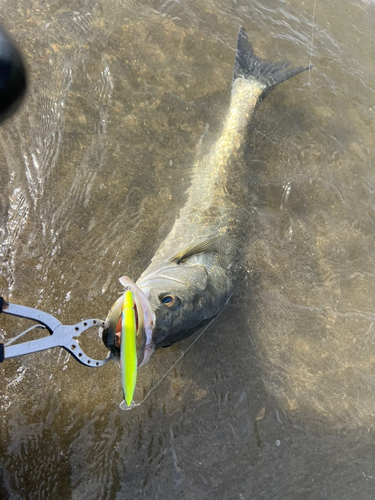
[(117, 340), (172, 301)]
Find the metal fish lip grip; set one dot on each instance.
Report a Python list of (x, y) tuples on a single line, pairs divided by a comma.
[(60, 335)]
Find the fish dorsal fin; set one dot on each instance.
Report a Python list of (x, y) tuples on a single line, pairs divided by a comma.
[(208, 246)]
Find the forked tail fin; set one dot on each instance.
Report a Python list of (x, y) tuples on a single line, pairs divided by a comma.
[(248, 65)]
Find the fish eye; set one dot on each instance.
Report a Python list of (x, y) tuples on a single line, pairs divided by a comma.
[(167, 299), (172, 301)]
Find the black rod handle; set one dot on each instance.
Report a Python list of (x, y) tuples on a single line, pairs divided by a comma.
[(12, 76)]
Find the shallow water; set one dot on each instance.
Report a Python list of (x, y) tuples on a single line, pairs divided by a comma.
[(93, 171)]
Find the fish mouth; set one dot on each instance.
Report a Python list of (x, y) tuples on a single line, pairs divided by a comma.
[(145, 321)]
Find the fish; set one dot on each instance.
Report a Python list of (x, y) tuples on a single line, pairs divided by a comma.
[(192, 275)]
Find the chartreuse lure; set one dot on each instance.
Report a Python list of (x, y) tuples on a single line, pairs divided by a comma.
[(128, 348)]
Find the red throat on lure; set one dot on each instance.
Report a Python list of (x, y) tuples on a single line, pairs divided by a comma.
[(119, 327)]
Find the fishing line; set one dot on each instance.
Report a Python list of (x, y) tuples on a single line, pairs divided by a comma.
[(123, 405), (312, 41)]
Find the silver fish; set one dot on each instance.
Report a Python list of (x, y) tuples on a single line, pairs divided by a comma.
[(192, 275)]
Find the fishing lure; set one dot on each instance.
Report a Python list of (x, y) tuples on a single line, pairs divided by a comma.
[(128, 348)]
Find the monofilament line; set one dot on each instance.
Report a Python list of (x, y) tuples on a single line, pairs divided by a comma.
[(124, 407), (175, 363), (312, 41)]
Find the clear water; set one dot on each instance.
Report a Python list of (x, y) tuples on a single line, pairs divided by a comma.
[(93, 171)]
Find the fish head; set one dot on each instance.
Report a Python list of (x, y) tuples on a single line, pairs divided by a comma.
[(180, 299), (170, 305), (172, 301)]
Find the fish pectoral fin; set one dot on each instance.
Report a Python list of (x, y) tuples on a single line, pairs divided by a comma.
[(208, 246)]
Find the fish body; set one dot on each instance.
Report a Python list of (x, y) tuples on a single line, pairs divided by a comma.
[(192, 275)]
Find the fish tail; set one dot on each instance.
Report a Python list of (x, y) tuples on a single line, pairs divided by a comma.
[(247, 65)]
